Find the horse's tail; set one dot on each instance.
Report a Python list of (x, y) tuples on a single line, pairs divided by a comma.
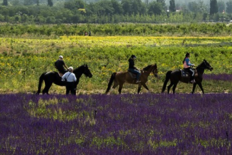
[(168, 75), (110, 82), (41, 78)]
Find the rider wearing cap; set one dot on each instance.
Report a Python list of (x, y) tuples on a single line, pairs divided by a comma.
[(59, 64), (133, 69), (71, 79), (187, 66)]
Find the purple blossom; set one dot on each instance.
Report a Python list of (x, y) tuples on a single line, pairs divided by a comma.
[(218, 77), (116, 124)]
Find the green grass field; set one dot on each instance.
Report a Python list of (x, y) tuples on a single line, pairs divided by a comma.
[(23, 60)]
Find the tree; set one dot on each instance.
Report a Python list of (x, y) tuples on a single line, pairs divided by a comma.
[(172, 7), (50, 3), (138, 7), (28, 2), (213, 7), (5, 2), (193, 7), (104, 7), (197, 7), (155, 8), (127, 6), (229, 6), (162, 2), (221, 6), (74, 4), (37, 2), (117, 7)]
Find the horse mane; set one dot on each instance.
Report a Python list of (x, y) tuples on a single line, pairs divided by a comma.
[(147, 68), (78, 68), (200, 64)]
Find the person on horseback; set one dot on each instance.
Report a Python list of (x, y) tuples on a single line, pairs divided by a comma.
[(59, 64), (71, 79), (188, 67), (133, 69)]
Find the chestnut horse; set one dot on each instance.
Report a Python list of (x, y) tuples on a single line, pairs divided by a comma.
[(119, 78)]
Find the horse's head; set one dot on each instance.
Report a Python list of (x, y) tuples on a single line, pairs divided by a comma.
[(87, 71), (152, 68), (155, 71), (207, 65)]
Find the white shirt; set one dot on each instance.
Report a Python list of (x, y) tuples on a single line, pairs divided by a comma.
[(69, 76)]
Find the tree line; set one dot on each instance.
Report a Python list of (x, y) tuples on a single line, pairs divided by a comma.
[(114, 11)]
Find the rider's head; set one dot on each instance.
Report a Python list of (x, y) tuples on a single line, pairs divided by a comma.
[(70, 68), (133, 56), (60, 57), (187, 55)]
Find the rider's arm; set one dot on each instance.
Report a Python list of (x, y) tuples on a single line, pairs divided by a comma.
[(188, 62), (65, 66), (75, 79)]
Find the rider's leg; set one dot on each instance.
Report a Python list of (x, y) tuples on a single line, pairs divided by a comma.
[(68, 87), (192, 75), (135, 71), (137, 75)]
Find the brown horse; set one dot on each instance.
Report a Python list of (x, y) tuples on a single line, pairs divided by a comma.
[(119, 78)]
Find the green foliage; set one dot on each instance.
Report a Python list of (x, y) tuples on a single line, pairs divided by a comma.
[(104, 11), (229, 6), (213, 7), (5, 2), (24, 60), (172, 7), (115, 29)]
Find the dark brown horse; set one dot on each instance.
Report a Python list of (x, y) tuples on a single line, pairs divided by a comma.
[(119, 78), (175, 77)]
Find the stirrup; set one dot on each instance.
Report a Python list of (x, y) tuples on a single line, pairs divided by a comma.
[(192, 81)]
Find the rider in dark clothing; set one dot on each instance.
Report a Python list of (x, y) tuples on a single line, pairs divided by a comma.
[(133, 69), (59, 64)]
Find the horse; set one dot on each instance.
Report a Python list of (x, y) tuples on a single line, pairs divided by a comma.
[(175, 77), (119, 78), (53, 77)]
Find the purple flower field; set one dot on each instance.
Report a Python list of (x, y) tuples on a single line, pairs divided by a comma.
[(221, 77), (116, 124)]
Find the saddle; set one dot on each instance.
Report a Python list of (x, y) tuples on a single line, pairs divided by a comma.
[(132, 75), (185, 73)]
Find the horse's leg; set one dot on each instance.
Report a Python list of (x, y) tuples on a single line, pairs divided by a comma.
[(120, 88), (174, 88), (47, 87), (170, 87), (145, 86), (115, 85), (139, 88), (194, 86), (200, 85)]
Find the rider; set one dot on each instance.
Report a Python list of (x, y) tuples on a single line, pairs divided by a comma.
[(71, 79), (59, 64), (187, 66), (133, 69)]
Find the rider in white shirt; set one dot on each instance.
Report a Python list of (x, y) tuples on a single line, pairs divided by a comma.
[(71, 79)]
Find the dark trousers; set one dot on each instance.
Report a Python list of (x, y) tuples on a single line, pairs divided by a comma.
[(70, 86)]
